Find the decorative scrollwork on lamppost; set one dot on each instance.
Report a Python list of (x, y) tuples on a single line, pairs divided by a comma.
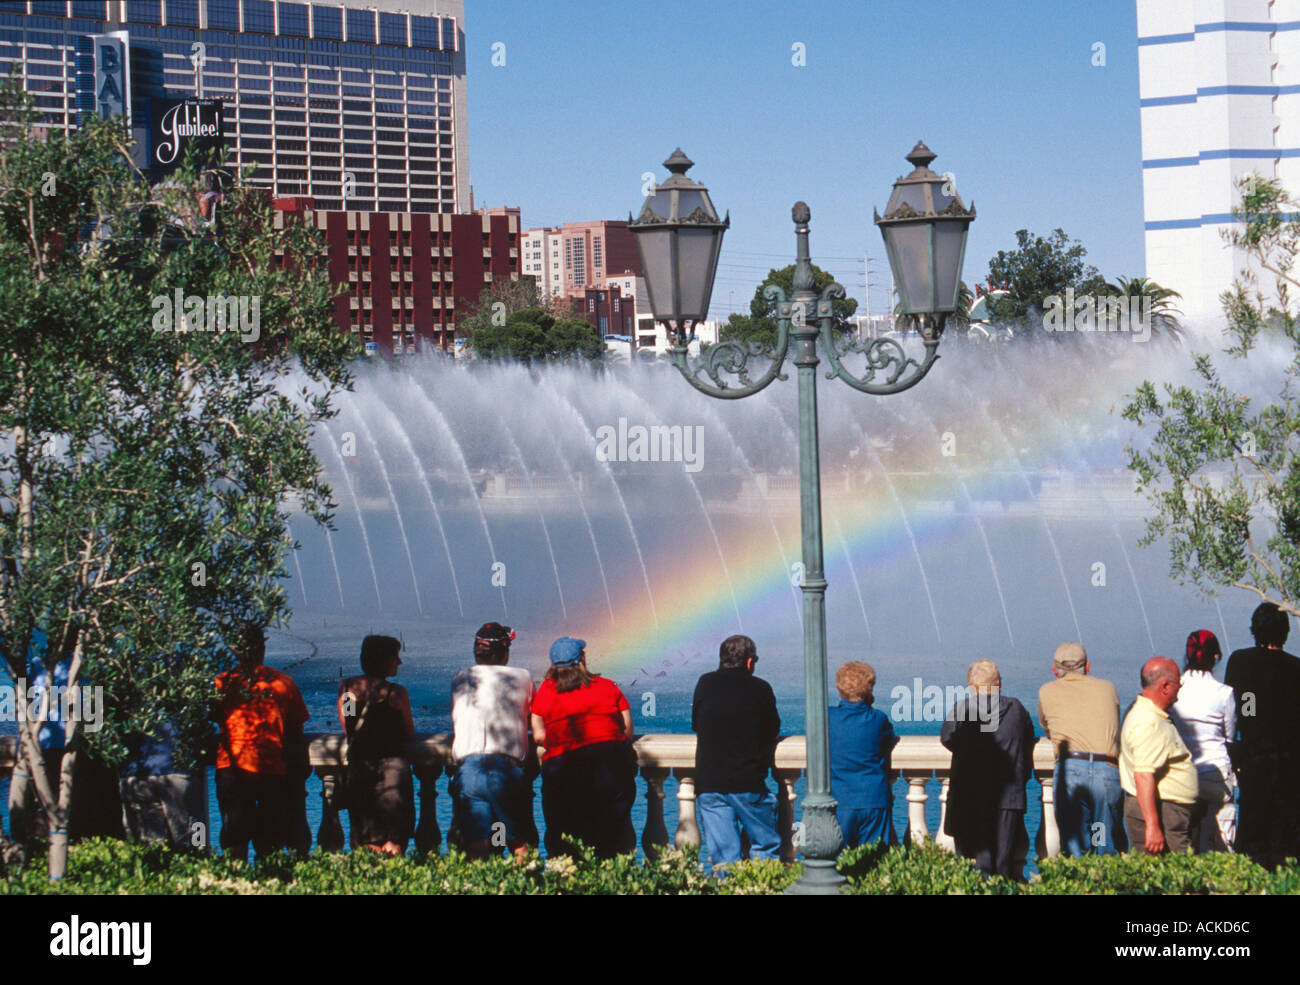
[(679, 236)]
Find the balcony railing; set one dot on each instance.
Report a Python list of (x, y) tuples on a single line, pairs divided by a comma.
[(918, 759)]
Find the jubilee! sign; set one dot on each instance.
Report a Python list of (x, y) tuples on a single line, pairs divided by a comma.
[(176, 124)]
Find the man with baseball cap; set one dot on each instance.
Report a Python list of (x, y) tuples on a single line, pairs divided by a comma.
[(492, 796), (1080, 715)]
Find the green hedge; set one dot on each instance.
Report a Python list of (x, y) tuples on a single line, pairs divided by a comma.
[(105, 865), (112, 866), (930, 870)]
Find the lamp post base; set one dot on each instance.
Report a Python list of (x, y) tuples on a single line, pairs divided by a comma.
[(819, 878)]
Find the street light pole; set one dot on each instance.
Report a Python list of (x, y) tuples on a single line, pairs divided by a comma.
[(679, 236), (823, 838)]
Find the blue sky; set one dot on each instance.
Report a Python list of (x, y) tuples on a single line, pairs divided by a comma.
[(593, 94)]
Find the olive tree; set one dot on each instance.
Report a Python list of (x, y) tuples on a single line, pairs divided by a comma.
[(161, 373), (1222, 468)]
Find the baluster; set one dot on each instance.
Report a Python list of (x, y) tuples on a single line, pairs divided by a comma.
[(330, 834), (655, 835), (785, 798), (940, 838), (688, 831), (917, 832), (1051, 834), (428, 836)]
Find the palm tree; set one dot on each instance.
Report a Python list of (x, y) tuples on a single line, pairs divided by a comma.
[(1159, 301)]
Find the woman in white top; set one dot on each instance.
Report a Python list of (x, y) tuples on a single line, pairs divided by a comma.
[(1206, 717)]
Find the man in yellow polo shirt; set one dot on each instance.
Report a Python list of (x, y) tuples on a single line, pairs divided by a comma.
[(1155, 768)]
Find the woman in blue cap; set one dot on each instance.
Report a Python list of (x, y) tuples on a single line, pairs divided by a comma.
[(588, 767)]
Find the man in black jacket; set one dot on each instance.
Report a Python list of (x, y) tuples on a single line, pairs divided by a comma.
[(1265, 680), (992, 741), (734, 716)]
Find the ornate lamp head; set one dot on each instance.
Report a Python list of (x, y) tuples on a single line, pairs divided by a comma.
[(679, 237), (924, 228)]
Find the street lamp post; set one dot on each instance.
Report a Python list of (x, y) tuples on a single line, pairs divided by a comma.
[(679, 236)]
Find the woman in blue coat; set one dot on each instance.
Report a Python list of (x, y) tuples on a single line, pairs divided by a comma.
[(861, 740)]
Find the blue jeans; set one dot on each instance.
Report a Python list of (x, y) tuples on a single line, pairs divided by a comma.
[(492, 790), (1089, 808), (722, 815)]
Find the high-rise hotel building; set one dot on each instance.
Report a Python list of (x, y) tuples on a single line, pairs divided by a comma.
[(1220, 99), (357, 105), (353, 111)]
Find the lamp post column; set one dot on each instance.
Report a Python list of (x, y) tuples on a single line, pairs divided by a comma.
[(822, 838)]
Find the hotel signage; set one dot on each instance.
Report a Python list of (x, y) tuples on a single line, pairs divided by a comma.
[(112, 75), (178, 123)]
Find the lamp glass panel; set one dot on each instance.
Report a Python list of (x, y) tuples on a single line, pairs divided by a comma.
[(910, 255), (913, 195), (696, 256), (687, 202), (655, 246), (941, 201), (660, 203), (948, 240)]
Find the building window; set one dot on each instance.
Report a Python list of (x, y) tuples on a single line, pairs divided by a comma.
[(424, 31), (392, 29), (259, 16), (448, 34), (144, 11), (293, 19), (604, 325), (326, 22), (591, 305), (183, 13), (93, 9), (223, 15), (361, 26)]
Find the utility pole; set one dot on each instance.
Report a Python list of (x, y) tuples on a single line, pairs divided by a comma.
[(866, 298)]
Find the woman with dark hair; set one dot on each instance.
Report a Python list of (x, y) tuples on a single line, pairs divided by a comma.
[(1206, 718), (376, 716), (589, 767)]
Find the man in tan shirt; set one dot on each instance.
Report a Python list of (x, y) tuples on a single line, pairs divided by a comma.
[(1155, 767), (1080, 715)]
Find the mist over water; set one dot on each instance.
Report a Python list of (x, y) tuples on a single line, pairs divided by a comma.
[(987, 512)]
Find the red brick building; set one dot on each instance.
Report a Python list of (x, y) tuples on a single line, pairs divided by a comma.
[(607, 310), (408, 273)]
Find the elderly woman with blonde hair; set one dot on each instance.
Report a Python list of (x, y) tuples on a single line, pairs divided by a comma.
[(992, 741), (861, 739)]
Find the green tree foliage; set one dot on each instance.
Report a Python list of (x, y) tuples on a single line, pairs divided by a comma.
[(498, 302), (759, 326), (533, 335), (1036, 269), (145, 471), (1221, 469)]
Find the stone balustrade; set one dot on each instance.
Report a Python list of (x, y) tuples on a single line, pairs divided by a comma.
[(918, 759)]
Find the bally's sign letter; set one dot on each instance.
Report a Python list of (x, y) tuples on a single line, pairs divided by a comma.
[(112, 75)]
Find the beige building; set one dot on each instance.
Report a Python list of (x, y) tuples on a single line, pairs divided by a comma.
[(569, 259)]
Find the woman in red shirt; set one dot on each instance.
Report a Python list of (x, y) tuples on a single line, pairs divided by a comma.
[(589, 766)]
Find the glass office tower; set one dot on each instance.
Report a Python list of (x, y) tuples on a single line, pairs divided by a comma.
[(359, 105)]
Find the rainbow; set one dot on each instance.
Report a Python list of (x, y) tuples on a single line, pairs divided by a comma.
[(694, 601)]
